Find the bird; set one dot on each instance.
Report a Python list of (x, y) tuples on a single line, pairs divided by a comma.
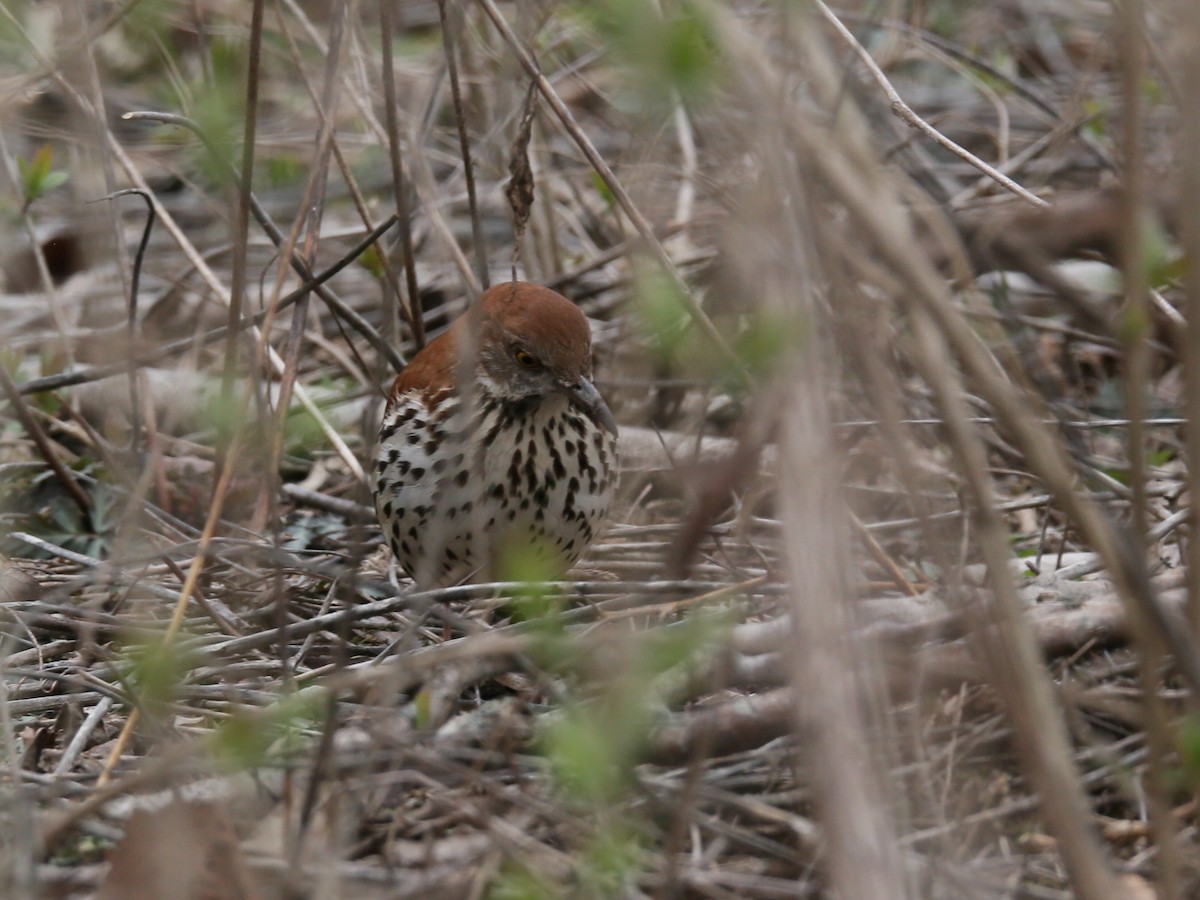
[(495, 441)]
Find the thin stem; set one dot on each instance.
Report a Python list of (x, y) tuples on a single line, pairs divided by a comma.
[(905, 112), (241, 236), (84, 376), (1131, 37), (597, 162), (339, 309), (399, 183), (464, 148), (30, 423), (132, 330)]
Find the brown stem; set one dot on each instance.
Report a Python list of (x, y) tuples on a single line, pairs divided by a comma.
[(35, 432), (399, 184)]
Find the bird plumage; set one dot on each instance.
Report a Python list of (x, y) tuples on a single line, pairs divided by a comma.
[(495, 440)]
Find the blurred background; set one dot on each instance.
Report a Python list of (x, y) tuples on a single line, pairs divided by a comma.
[(895, 307)]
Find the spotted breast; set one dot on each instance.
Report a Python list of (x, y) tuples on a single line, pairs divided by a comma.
[(495, 441)]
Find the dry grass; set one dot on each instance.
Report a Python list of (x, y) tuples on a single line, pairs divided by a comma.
[(895, 599)]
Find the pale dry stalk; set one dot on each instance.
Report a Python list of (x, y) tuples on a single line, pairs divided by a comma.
[(843, 160), (1187, 57), (775, 249)]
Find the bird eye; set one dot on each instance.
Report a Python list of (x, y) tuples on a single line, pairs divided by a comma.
[(526, 359)]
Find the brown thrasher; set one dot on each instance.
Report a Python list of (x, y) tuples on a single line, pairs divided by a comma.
[(495, 441)]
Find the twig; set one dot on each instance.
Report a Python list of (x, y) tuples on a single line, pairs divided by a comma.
[(924, 287), (79, 740), (416, 319), (308, 224), (1189, 160), (1018, 673), (214, 516), (132, 329), (427, 190), (166, 351), (340, 309), (30, 423), (640, 223), (905, 112), (1130, 27), (464, 147), (241, 222), (881, 556)]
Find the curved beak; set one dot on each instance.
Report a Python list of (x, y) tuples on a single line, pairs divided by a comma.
[(584, 395)]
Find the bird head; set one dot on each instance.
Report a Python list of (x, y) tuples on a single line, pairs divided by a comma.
[(535, 343)]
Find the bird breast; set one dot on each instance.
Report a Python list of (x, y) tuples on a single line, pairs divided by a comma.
[(453, 485)]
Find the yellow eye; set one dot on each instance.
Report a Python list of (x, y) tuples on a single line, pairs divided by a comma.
[(526, 359)]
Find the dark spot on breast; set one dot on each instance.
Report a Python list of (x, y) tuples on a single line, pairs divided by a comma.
[(490, 437)]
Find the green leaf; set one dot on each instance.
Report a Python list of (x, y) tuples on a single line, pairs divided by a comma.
[(614, 856), (372, 260), (37, 176), (585, 756), (1097, 111), (249, 737), (662, 54), (421, 705), (518, 883), (662, 312), (605, 192), (1189, 749), (155, 671), (219, 111), (53, 180)]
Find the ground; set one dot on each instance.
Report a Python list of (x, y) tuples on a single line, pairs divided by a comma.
[(892, 305)]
